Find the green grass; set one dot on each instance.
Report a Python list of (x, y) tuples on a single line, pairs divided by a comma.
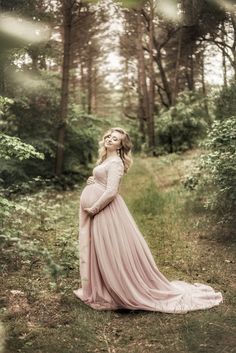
[(48, 319)]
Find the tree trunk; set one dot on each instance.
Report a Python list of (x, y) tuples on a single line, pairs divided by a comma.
[(2, 74), (33, 53), (175, 88), (127, 97), (141, 113), (165, 82), (150, 122), (89, 83), (191, 69), (204, 84), (67, 17), (176, 76), (233, 20), (224, 56), (224, 68), (95, 86), (142, 70), (82, 87)]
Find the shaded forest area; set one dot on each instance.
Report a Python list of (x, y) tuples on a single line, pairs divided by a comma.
[(39, 311), (165, 70)]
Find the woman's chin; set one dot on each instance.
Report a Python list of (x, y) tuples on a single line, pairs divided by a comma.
[(110, 150)]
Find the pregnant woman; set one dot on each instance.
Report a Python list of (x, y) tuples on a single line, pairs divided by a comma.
[(117, 269)]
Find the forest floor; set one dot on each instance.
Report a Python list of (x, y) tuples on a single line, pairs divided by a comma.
[(40, 316)]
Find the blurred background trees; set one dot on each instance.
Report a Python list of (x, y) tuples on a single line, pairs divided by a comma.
[(164, 70)]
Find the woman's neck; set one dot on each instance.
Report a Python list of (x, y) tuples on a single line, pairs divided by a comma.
[(112, 154)]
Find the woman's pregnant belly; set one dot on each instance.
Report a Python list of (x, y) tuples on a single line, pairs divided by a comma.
[(90, 194)]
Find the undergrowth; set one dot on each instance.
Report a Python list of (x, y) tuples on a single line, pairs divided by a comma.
[(42, 315)]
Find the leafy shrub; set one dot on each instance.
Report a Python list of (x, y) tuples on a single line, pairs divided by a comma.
[(136, 138), (34, 120), (181, 127), (216, 172), (12, 147), (225, 103), (20, 120)]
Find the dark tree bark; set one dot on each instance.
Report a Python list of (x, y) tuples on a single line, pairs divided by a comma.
[(141, 112), (127, 97), (89, 82), (204, 91), (223, 56), (177, 65), (67, 19), (150, 121), (82, 87), (191, 69), (143, 90), (164, 79), (233, 49), (95, 85), (2, 74)]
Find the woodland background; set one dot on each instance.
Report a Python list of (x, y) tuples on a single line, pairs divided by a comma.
[(70, 69)]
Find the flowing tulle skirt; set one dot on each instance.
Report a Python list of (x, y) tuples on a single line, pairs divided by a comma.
[(118, 270)]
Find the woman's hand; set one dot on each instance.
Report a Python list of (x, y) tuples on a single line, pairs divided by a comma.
[(90, 180), (90, 211)]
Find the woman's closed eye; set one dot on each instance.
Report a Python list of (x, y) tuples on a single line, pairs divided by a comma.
[(113, 138)]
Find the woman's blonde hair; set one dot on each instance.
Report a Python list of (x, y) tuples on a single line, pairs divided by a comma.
[(124, 150)]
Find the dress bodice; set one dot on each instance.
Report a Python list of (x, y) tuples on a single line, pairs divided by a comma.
[(109, 174), (112, 165)]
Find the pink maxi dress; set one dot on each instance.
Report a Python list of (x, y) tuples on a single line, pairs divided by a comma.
[(117, 269)]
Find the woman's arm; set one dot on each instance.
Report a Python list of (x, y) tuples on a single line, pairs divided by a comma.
[(115, 172)]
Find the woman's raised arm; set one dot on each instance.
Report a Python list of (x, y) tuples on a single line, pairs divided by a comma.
[(115, 172)]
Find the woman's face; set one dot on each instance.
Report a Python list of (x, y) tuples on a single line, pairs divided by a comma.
[(112, 141)]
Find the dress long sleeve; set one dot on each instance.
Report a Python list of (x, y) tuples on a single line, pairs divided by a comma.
[(114, 174)]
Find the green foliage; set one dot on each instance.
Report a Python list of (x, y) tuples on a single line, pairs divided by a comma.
[(13, 147), (125, 3), (16, 155), (68, 252), (80, 145), (30, 251), (225, 103), (14, 218), (131, 3), (215, 175), (216, 172), (6, 207), (32, 117), (181, 127), (136, 138), (221, 164), (151, 202)]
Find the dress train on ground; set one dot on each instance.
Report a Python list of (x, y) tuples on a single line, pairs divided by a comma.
[(117, 268)]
